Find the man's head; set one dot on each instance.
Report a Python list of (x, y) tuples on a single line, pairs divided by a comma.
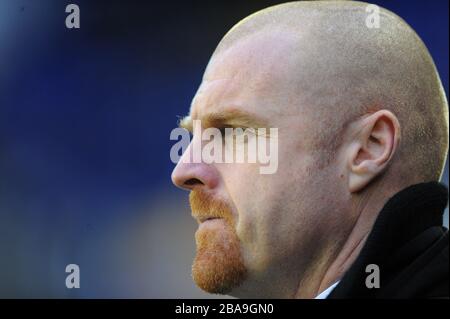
[(360, 113)]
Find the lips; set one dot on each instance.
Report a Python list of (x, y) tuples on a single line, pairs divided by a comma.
[(206, 218)]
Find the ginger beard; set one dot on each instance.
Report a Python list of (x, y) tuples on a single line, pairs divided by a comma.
[(218, 265)]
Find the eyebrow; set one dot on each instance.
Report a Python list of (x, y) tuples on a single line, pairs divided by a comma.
[(231, 118)]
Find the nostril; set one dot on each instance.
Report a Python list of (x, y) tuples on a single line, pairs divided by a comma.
[(193, 181)]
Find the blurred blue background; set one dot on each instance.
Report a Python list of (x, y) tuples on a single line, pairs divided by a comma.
[(85, 118)]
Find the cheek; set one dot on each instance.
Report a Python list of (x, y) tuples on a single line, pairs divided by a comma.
[(273, 212), (243, 188), (246, 189), (266, 215), (286, 207)]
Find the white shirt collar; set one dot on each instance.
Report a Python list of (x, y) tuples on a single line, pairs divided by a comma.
[(324, 294)]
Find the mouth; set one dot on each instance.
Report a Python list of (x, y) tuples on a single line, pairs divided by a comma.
[(205, 219)]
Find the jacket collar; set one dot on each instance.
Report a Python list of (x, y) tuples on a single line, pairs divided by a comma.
[(404, 216)]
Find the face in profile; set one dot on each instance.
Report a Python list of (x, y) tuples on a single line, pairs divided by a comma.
[(258, 229)]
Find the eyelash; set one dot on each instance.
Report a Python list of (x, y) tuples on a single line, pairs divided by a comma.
[(223, 133)]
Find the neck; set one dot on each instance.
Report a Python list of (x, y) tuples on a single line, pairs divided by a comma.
[(366, 209)]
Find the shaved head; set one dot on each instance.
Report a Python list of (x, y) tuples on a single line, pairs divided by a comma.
[(337, 69)]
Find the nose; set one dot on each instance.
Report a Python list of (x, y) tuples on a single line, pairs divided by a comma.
[(188, 175)]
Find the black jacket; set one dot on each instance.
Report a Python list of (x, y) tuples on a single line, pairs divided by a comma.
[(408, 244)]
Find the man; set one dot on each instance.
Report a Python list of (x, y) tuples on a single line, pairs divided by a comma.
[(354, 208)]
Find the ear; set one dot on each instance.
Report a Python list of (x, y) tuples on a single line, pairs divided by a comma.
[(373, 144)]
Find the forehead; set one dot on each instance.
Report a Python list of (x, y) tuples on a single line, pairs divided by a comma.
[(252, 75)]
